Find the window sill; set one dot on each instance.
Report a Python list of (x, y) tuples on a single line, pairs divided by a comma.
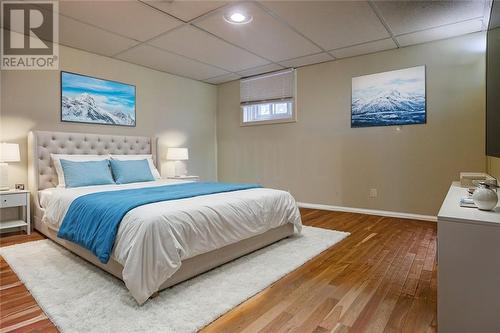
[(268, 122)]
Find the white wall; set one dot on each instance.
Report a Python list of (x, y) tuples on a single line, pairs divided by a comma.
[(322, 160), (179, 111), (494, 166)]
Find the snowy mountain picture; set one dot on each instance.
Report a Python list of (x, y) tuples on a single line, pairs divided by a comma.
[(389, 98), (86, 99)]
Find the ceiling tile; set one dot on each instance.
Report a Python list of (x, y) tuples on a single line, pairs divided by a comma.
[(410, 16), (186, 10), (168, 62), (200, 45), (260, 70), (331, 24), (264, 36), (447, 31), (366, 48), (223, 78), (307, 60), (83, 36), (127, 18)]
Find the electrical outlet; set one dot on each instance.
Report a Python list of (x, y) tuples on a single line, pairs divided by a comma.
[(372, 193)]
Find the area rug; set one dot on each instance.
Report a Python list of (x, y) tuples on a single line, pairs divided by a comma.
[(78, 297)]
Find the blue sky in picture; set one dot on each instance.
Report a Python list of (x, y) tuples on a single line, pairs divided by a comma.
[(390, 98), (109, 96)]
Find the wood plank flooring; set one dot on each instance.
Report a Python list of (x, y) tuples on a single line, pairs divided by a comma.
[(382, 278)]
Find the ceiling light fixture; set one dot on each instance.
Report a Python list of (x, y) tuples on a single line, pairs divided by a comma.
[(237, 18)]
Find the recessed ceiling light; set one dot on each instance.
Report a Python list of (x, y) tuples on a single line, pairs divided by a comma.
[(237, 18)]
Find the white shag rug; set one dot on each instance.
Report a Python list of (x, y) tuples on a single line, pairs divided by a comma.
[(79, 297)]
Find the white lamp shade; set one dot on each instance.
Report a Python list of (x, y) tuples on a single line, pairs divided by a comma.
[(9, 152), (177, 154)]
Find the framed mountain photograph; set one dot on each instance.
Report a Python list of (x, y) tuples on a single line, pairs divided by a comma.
[(390, 98), (86, 99)]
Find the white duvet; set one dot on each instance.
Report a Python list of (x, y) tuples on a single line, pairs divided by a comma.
[(153, 239)]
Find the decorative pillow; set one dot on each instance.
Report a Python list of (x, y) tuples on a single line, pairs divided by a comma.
[(148, 157), (131, 171), (57, 164), (86, 173)]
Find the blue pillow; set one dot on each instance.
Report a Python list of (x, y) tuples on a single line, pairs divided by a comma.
[(131, 171), (86, 173)]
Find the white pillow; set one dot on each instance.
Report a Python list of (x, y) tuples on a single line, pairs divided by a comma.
[(56, 159), (149, 157)]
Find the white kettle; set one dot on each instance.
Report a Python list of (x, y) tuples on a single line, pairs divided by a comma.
[(485, 197)]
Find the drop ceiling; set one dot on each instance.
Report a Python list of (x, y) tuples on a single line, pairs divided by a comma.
[(191, 38)]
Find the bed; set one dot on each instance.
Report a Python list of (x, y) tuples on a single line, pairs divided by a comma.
[(158, 244)]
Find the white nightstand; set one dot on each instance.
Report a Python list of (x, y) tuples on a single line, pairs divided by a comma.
[(192, 178), (15, 198)]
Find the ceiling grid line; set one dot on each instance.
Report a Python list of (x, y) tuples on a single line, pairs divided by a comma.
[(358, 44), (219, 10), (193, 21), (92, 25), (181, 55), (150, 39), (309, 55), (161, 11), (189, 23), (194, 16), (183, 24), (273, 15), (284, 60), (440, 26), (377, 12), (291, 27), (142, 65), (231, 43), (192, 24), (486, 13), (368, 42)]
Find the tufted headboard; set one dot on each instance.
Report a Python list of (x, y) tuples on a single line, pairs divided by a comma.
[(41, 144)]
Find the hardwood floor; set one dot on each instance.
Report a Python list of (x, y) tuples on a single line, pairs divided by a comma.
[(19, 312), (382, 278)]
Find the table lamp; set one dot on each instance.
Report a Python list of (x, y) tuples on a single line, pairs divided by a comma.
[(9, 152), (176, 155)]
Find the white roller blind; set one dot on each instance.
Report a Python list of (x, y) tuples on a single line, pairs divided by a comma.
[(268, 87)]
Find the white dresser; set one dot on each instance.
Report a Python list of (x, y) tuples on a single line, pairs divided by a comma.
[(468, 267)]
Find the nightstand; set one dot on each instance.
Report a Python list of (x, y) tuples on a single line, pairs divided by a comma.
[(192, 178), (20, 199)]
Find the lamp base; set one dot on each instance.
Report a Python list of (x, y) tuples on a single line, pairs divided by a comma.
[(178, 172)]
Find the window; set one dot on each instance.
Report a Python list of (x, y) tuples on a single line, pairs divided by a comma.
[(268, 98), (268, 111)]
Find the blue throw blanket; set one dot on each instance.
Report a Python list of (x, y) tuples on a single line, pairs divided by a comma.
[(92, 220)]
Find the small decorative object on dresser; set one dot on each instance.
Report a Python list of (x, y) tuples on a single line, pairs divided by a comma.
[(177, 155), (485, 196), (9, 152), (20, 199)]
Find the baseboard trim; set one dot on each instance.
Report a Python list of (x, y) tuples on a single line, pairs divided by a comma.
[(369, 211)]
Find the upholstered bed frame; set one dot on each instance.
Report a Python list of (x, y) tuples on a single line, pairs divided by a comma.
[(42, 175)]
